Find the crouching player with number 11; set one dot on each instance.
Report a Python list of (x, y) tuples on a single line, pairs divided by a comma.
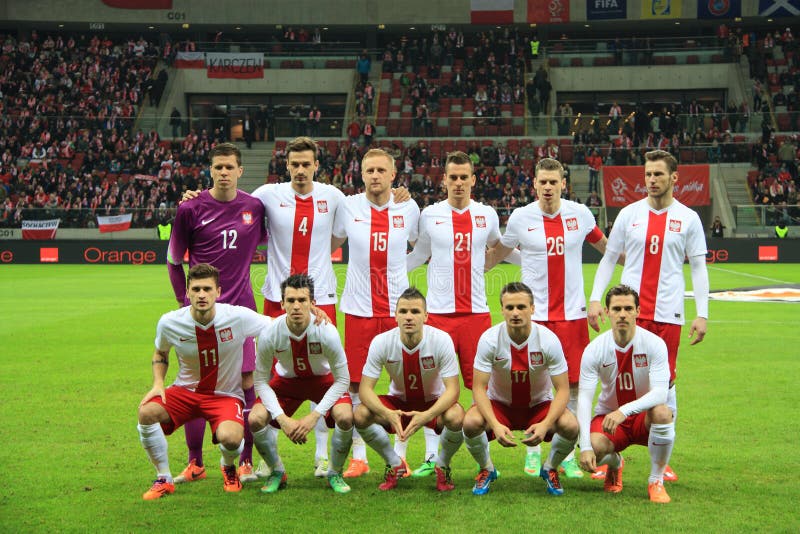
[(207, 338), (631, 365)]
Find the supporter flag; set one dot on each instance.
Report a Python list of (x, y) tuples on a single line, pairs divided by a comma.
[(662, 9), (190, 60), (540, 12), (114, 223), (719, 9), (778, 8), (491, 11), (623, 185), (235, 65), (40, 229), (607, 9)]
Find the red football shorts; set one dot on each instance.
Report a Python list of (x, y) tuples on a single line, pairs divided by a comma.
[(396, 403), (292, 392), (358, 334), (632, 431), (274, 309), (520, 418), (574, 336), (465, 329), (671, 334), (184, 405)]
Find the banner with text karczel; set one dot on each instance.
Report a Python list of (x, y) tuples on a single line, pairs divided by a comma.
[(623, 185), (235, 65)]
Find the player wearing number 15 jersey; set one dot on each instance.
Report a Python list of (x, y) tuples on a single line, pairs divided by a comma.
[(207, 337), (222, 227), (423, 390), (633, 408)]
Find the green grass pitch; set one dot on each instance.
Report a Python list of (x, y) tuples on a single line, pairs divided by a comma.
[(76, 346)]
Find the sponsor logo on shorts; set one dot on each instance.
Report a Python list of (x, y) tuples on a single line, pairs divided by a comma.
[(315, 347), (226, 334), (640, 360)]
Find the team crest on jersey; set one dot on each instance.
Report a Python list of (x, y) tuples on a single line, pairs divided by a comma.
[(428, 362), (480, 221), (315, 347), (322, 206), (674, 226), (640, 360), (397, 221), (536, 358), (572, 224), (247, 217), (226, 334)]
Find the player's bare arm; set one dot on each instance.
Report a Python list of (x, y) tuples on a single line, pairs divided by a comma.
[(612, 420), (160, 364), (503, 434), (538, 431), (288, 425), (495, 255), (304, 426), (366, 391), (448, 398)]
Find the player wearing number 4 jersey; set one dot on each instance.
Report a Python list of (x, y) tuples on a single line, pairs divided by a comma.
[(631, 365), (207, 337), (423, 390), (550, 234), (378, 231), (517, 365), (221, 227), (656, 234), (309, 364)]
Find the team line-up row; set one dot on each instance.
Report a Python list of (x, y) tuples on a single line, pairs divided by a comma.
[(460, 239)]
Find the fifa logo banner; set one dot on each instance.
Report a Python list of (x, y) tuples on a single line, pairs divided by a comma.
[(661, 9), (623, 185), (235, 65), (606, 9)]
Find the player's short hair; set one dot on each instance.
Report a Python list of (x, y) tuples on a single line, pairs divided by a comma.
[(622, 290), (376, 153), (298, 281), (225, 149), (549, 164), (663, 155), (302, 144), (202, 271), (516, 287), (459, 158), (412, 293)]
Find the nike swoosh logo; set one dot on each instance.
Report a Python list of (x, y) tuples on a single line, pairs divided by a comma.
[(284, 205), (279, 351), (185, 339), (607, 364), (196, 474), (532, 229), (392, 361), (440, 222), (359, 220), (634, 225), (205, 222), (657, 444), (499, 359)]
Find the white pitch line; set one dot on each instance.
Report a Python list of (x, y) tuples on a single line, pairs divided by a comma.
[(752, 275)]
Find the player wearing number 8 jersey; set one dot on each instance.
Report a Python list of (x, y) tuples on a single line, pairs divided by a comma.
[(423, 390), (207, 337), (633, 409)]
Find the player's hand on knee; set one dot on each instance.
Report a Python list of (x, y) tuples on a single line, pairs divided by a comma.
[(612, 421), (152, 394)]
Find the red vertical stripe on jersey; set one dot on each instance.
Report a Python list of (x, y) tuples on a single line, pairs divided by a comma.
[(651, 269), (556, 268), (300, 363), (462, 261), (520, 377), (208, 352), (626, 391), (412, 376), (301, 238), (378, 270)]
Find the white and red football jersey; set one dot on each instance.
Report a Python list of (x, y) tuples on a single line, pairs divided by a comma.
[(416, 374), (520, 374), (378, 239), (632, 379), (655, 244), (300, 229), (551, 249), (456, 241), (317, 352), (210, 356)]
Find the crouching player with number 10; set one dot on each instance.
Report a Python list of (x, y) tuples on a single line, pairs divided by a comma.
[(631, 365), (423, 390), (517, 365), (309, 364), (207, 337)]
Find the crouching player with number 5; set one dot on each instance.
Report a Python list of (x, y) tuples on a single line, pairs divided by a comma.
[(207, 338), (309, 364), (517, 365), (423, 392), (631, 365)]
